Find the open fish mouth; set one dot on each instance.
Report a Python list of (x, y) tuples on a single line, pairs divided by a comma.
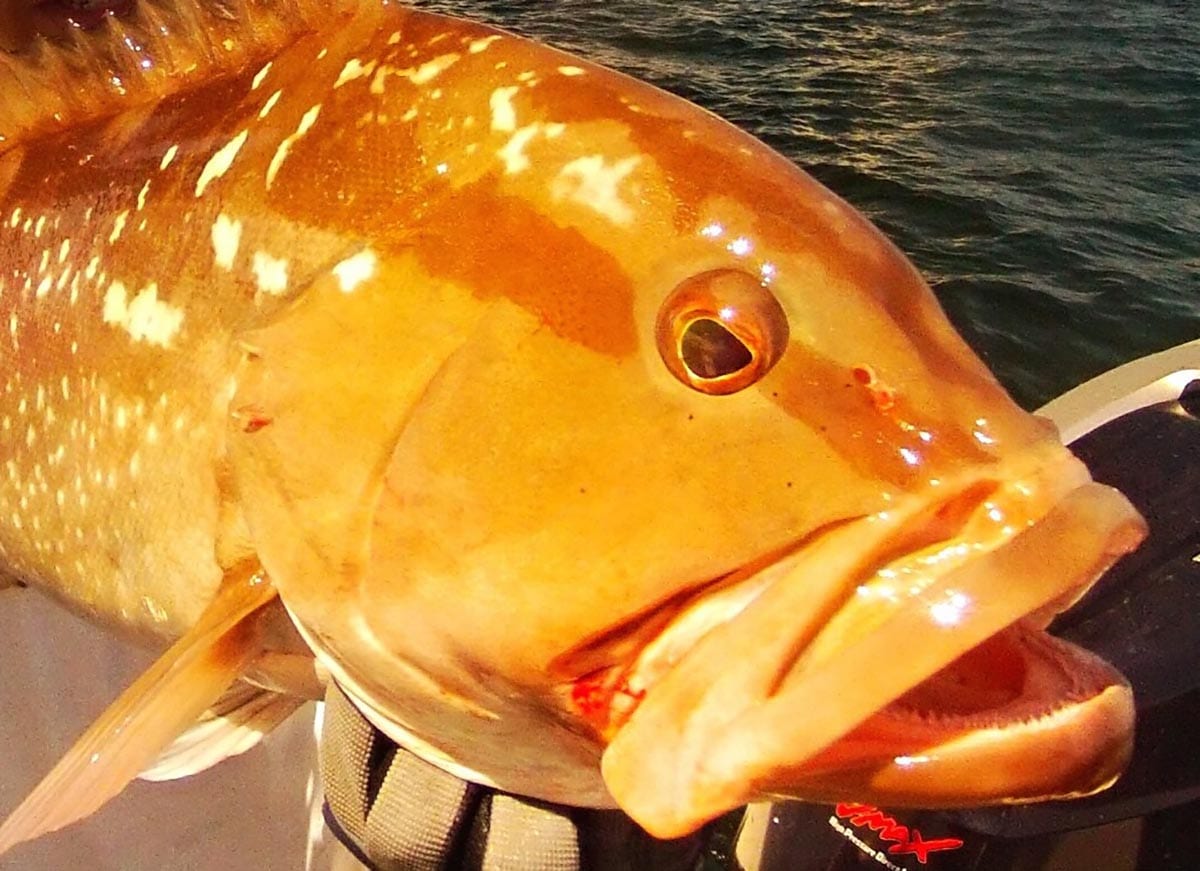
[(895, 658)]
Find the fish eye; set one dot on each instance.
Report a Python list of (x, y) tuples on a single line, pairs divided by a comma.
[(721, 331)]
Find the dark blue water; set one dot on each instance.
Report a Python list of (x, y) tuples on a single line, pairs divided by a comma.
[(1040, 162)]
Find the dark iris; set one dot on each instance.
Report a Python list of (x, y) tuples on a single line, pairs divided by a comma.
[(1190, 398), (709, 350)]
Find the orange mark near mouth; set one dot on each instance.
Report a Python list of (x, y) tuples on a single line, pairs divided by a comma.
[(883, 397)]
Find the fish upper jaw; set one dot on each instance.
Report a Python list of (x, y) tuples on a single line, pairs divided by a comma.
[(813, 688)]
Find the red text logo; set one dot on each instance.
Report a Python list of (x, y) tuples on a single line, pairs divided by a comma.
[(905, 841)]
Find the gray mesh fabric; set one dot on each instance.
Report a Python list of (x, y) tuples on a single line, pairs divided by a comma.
[(399, 813)]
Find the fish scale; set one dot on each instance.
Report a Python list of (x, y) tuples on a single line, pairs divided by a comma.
[(80, 435), (106, 377), (121, 354)]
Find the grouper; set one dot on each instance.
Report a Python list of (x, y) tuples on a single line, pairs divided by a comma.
[(596, 451)]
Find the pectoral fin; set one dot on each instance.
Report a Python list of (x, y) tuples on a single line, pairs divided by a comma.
[(238, 721), (160, 705)]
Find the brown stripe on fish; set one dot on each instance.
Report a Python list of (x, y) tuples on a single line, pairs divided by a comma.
[(575, 288), (54, 75), (358, 105), (868, 422)]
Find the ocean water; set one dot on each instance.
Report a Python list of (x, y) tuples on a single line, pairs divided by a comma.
[(1039, 161)]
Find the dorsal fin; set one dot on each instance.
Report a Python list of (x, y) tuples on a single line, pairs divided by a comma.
[(54, 77)]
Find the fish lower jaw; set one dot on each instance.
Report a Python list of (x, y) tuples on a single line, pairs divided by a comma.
[(973, 733)]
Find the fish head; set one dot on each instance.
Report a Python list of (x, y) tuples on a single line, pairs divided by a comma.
[(626, 446)]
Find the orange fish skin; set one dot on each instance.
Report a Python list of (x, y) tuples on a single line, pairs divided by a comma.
[(127, 276), (399, 309)]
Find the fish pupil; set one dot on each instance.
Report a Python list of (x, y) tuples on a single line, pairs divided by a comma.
[(710, 350), (1190, 398)]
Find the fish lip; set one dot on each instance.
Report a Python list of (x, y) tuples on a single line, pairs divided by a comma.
[(712, 727), (905, 753)]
